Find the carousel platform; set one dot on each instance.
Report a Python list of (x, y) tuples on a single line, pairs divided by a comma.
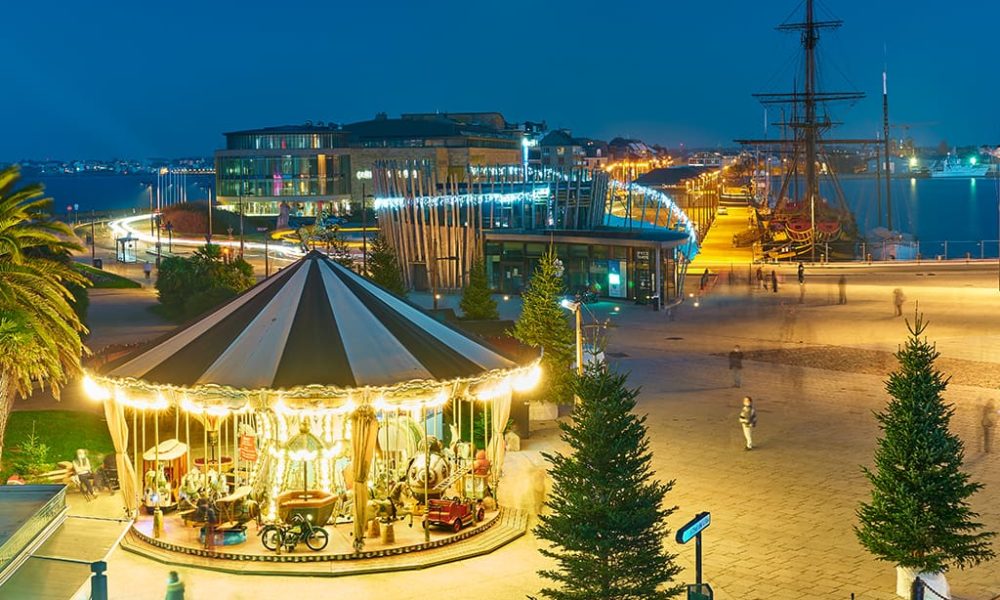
[(179, 546)]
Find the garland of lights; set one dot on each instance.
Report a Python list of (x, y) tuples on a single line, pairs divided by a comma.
[(307, 400)]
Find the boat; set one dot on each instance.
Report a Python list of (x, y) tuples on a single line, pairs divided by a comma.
[(952, 167), (798, 220)]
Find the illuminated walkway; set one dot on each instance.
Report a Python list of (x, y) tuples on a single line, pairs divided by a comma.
[(717, 251)]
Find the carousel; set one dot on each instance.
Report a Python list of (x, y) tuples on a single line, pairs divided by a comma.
[(315, 407)]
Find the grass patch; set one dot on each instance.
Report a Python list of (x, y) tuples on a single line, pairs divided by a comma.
[(63, 431), (105, 280), (165, 313)]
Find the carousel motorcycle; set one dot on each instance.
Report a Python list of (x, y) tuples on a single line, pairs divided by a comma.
[(277, 537)]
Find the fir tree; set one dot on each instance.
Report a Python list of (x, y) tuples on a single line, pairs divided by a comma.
[(544, 324), (477, 298), (607, 523), (919, 515), (383, 266)]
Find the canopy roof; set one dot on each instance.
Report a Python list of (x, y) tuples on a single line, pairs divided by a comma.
[(314, 323)]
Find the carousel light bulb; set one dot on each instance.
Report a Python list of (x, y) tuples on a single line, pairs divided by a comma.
[(527, 380), (94, 391), (217, 411), (300, 455)]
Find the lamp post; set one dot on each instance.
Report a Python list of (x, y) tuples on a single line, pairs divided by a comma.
[(158, 245), (241, 221), (364, 231), (577, 308), (149, 190), (208, 190), (93, 239)]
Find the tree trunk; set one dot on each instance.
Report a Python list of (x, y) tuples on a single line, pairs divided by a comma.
[(6, 405)]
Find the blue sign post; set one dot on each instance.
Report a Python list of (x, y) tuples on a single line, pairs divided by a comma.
[(693, 529)]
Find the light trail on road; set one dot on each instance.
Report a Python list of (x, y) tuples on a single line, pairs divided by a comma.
[(125, 228)]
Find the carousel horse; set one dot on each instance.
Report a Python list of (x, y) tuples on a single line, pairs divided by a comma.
[(215, 484), (191, 487), (157, 491)]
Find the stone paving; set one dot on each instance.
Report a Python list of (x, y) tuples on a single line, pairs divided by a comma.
[(783, 513)]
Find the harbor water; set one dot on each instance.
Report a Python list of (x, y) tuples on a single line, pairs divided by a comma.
[(946, 217)]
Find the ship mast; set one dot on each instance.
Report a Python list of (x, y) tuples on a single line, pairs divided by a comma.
[(807, 124)]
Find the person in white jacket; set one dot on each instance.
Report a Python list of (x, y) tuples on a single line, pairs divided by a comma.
[(748, 420)]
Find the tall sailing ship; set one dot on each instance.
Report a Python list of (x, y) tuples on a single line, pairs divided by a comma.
[(796, 219)]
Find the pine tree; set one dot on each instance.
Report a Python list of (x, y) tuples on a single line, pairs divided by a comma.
[(919, 515), (383, 266), (477, 298), (544, 324), (607, 522)]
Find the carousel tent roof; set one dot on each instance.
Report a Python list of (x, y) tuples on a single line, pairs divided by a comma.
[(315, 322)]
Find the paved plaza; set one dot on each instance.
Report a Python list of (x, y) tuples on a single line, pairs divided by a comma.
[(783, 513)]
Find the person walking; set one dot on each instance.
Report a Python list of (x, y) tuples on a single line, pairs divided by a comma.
[(748, 420), (988, 422), (897, 300), (801, 273), (704, 280), (842, 286), (736, 366), (760, 277), (147, 269), (774, 281)]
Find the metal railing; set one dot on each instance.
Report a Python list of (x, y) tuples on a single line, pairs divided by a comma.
[(931, 250)]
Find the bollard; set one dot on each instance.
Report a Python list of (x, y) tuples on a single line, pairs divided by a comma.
[(98, 580)]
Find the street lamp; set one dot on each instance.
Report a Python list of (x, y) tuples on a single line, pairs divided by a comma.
[(159, 246), (149, 189), (208, 190), (364, 230), (576, 307)]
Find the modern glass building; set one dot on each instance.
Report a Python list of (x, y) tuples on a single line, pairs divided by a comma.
[(327, 167), (511, 214), (307, 167)]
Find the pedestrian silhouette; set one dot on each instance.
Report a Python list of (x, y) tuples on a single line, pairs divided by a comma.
[(988, 423), (897, 300), (774, 281), (704, 279), (736, 366), (801, 274), (748, 420), (842, 285), (175, 587)]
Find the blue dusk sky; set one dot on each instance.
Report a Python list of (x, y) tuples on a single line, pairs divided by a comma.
[(165, 79)]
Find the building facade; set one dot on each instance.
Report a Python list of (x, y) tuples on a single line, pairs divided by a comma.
[(315, 168)]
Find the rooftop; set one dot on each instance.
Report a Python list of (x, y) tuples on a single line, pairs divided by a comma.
[(671, 175)]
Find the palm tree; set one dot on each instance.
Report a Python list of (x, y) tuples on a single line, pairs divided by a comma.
[(40, 334)]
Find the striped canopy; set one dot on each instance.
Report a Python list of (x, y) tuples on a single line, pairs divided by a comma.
[(314, 323)]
